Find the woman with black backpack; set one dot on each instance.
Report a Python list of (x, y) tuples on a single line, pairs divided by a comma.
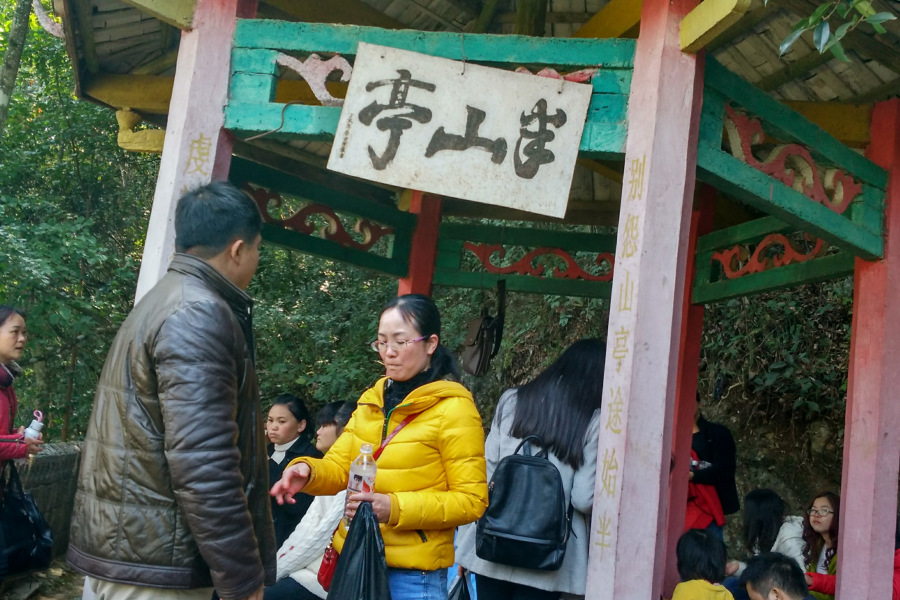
[(561, 406)]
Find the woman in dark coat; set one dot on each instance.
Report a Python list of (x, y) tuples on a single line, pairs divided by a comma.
[(288, 430)]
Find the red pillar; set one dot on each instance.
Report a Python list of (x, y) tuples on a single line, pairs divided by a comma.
[(872, 432), (686, 388), (424, 244)]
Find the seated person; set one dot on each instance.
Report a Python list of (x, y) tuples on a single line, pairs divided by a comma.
[(820, 531), (701, 565), (774, 576), (766, 529), (301, 554)]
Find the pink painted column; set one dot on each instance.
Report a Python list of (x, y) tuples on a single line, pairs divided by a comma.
[(197, 149), (686, 388), (628, 541), (423, 251), (872, 432)]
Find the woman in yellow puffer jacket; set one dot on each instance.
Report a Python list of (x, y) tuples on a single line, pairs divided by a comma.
[(431, 476)]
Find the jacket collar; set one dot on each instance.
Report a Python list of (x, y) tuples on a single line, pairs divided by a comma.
[(188, 264), (420, 398), (8, 374)]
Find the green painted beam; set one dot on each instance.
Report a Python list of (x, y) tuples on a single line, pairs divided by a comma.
[(604, 132), (745, 233), (811, 271), (757, 189), (788, 121), (295, 121), (524, 283), (309, 244), (712, 117), (245, 170), (528, 237), (343, 39)]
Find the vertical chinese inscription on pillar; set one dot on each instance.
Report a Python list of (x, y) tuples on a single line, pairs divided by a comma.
[(622, 324), (636, 178), (199, 156), (610, 472), (614, 417), (626, 293), (603, 533)]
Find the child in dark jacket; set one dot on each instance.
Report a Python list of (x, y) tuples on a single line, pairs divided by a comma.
[(287, 430)]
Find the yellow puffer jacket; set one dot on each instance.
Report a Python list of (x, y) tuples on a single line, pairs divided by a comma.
[(433, 470)]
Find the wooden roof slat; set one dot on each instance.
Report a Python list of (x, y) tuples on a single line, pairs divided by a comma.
[(116, 18), (135, 30), (746, 23)]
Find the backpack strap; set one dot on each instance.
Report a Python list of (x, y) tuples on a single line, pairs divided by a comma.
[(540, 443), (396, 430)]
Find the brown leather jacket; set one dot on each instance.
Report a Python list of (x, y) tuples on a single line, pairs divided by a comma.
[(173, 490)]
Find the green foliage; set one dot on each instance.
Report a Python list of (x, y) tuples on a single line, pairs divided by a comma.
[(73, 209), (853, 14)]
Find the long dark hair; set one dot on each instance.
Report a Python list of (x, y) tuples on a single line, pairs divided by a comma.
[(7, 311), (763, 517), (422, 313), (298, 410), (558, 404), (814, 540)]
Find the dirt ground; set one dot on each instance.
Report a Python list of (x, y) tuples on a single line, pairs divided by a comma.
[(59, 582)]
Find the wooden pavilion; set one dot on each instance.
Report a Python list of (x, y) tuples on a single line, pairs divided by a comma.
[(795, 156)]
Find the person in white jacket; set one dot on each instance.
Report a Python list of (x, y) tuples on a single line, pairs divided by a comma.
[(766, 529), (301, 554)]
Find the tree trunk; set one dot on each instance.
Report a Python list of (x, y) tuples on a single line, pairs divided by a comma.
[(13, 57)]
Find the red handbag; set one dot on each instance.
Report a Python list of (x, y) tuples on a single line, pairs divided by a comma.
[(330, 560), (329, 564)]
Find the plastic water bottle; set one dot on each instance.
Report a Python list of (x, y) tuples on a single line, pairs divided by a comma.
[(362, 476), (33, 431)]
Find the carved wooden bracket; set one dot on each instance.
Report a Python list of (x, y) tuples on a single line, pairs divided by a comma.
[(525, 266), (316, 71), (786, 161), (761, 259), (334, 230)]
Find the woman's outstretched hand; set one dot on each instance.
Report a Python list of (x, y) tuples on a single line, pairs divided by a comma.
[(292, 481)]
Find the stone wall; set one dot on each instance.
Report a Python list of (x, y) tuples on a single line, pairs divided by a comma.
[(52, 479)]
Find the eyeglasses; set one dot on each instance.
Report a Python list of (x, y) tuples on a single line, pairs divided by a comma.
[(399, 346), (821, 512)]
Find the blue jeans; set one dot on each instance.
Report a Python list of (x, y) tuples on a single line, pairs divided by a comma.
[(407, 584)]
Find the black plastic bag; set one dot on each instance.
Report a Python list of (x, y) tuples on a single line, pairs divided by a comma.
[(460, 589), (27, 539), (361, 572)]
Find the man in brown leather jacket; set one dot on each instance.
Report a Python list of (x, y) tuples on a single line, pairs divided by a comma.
[(173, 492)]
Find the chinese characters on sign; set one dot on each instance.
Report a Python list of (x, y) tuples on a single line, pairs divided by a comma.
[(476, 133)]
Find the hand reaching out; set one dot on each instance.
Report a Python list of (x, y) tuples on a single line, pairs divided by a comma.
[(292, 481)]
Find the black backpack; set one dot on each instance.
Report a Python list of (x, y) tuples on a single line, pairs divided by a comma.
[(526, 523)]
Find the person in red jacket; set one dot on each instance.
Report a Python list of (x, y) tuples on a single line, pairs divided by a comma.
[(13, 443)]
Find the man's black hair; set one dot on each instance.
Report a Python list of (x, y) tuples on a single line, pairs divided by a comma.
[(213, 216), (771, 570), (701, 555)]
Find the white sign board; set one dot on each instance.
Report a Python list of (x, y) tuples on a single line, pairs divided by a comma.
[(460, 130)]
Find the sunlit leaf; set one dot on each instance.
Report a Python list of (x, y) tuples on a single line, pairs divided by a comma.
[(821, 35), (789, 41)]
